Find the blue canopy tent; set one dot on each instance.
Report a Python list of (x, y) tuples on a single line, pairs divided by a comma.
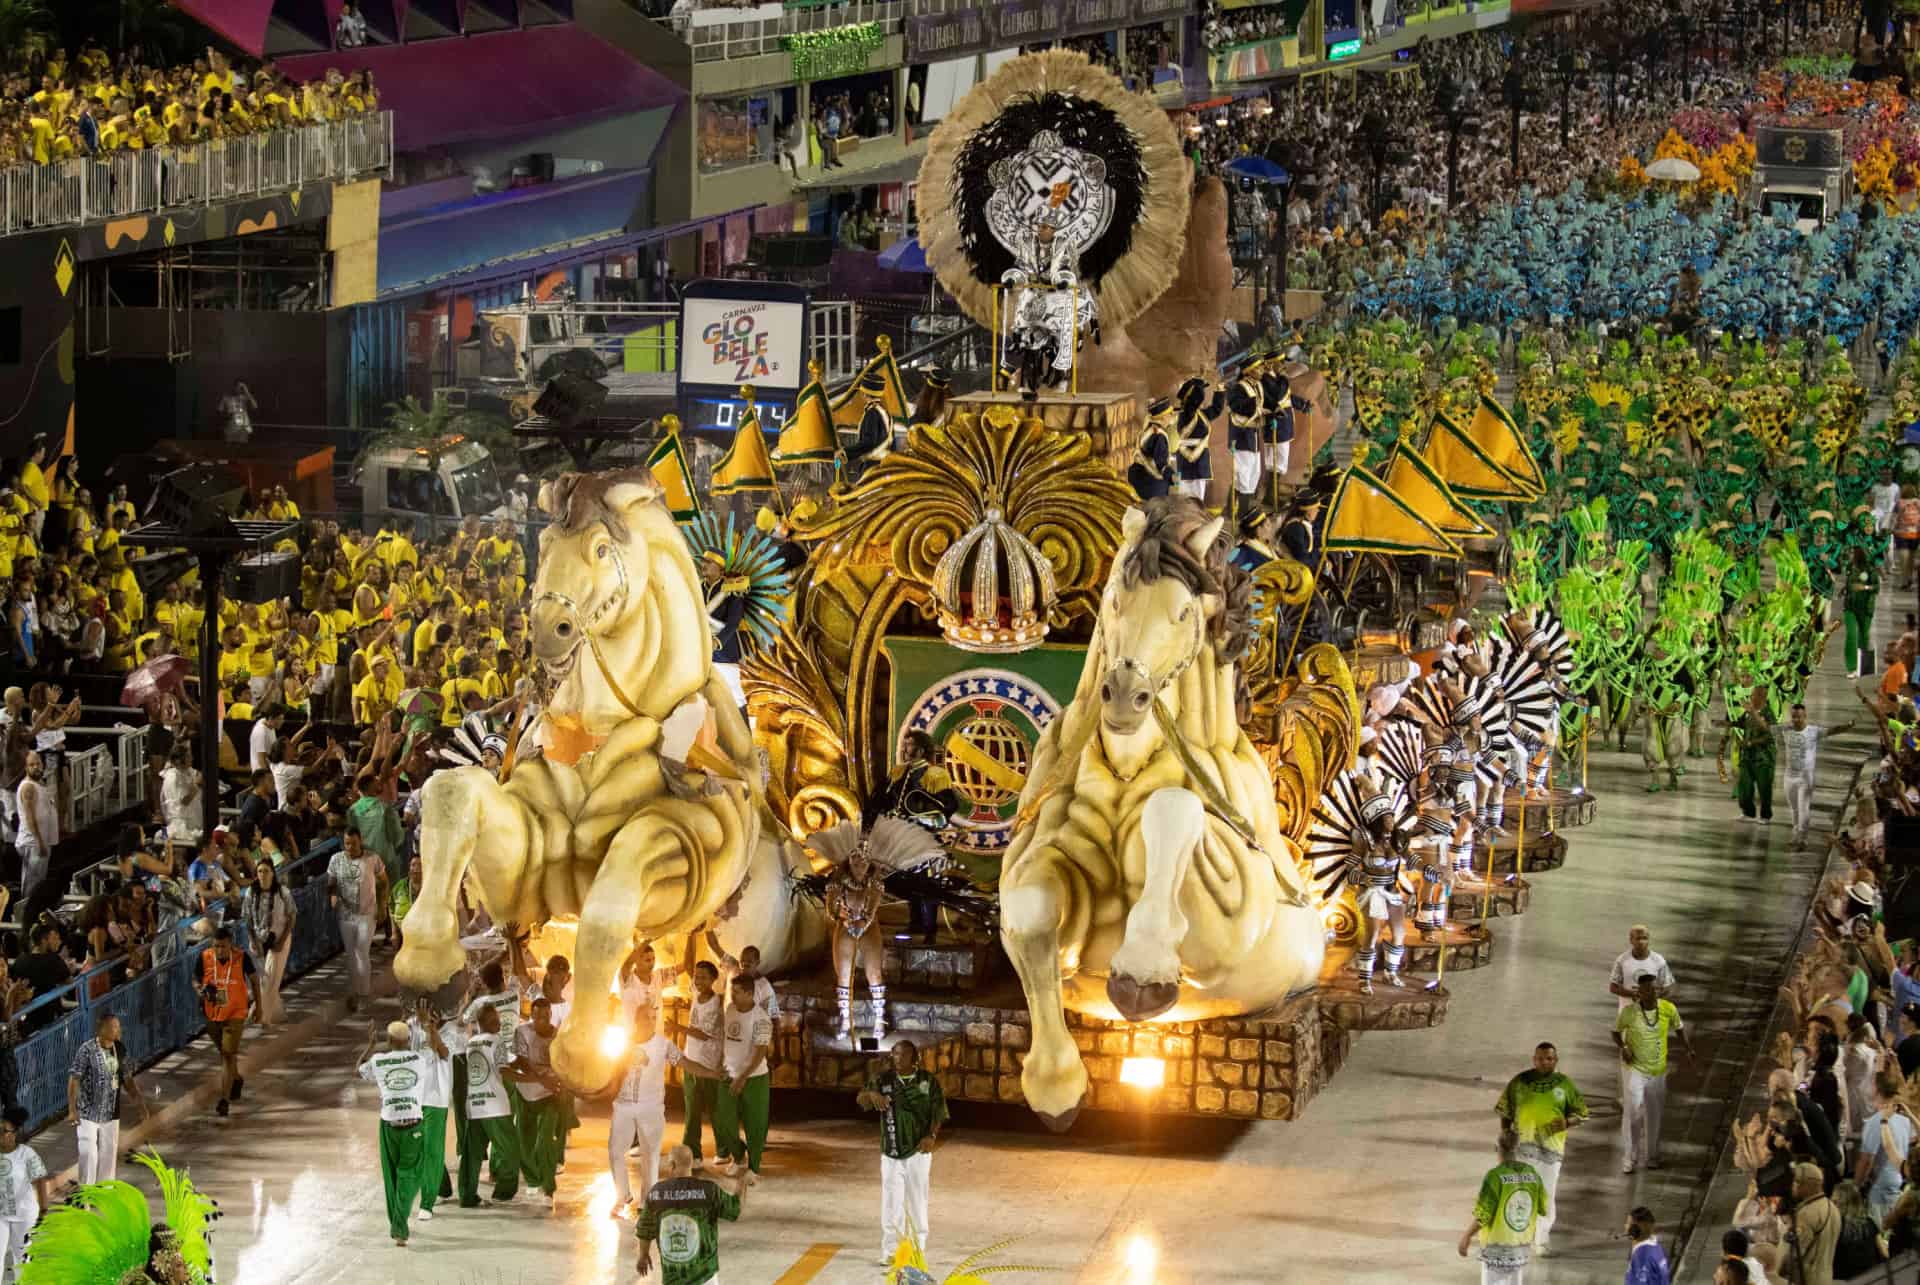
[(905, 255), (1257, 168)]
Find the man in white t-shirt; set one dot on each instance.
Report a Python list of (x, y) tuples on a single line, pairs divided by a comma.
[(436, 1099), (643, 983), (749, 964), (401, 1073), (489, 1113), (746, 1099), (702, 1057), (1800, 743), (25, 1190), (263, 737), (640, 1111), (1636, 961)]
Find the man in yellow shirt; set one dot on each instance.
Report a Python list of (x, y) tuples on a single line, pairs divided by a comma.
[(33, 486), (375, 694)]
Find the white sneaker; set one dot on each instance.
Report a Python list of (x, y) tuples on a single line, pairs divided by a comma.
[(635, 1150), (426, 1215), (753, 1179), (1626, 1166)]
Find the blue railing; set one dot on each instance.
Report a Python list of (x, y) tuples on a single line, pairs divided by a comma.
[(160, 1010)]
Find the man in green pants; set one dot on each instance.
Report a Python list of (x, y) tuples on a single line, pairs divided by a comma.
[(489, 1115), (1863, 586), (701, 1055), (682, 1215), (541, 1105), (400, 1073), (746, 1099), (436, 1095), (1752, 737)]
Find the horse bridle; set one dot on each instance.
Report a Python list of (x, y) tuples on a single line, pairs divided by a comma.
[(1156, 686), (617, 598)]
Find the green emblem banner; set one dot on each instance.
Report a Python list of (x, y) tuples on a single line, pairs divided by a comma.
[(986, 712)]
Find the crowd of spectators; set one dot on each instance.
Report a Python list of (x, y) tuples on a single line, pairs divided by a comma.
[(331, 700), (1833, 1175), (1327, 130), (1224, 27), (56, 107)]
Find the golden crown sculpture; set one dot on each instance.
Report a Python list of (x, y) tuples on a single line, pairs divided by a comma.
[(989, 565)]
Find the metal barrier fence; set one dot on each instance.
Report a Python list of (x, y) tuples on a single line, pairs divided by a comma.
[(106, 777), (85, 189), (160, 1010)]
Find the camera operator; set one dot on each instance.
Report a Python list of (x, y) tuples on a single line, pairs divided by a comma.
[(1814, 1231), (226, 997)]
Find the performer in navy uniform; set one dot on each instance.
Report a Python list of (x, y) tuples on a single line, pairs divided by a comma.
[(875, 435), (1277, 442), (1246, 420), (1299, 534), (1195, 414), (1258, 528), (1151, 474), (936, 388)]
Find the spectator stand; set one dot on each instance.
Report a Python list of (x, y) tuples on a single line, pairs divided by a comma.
[(159, 1010), (88, 189)]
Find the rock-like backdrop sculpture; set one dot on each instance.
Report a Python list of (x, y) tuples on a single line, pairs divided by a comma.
[(641, 813)]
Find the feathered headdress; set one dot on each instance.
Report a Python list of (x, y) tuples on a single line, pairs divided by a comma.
[(747, 554), (104, 1233), (1102, 136)]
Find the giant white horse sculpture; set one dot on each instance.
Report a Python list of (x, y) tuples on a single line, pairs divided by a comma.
[(1148, 876), (603, 823)]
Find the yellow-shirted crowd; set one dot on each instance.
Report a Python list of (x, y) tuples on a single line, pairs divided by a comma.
[(87, 104), (382, 621)]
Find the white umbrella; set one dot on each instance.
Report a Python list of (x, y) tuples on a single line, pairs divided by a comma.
[(1674, 170)]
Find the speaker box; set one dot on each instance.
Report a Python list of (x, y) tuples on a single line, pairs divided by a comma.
[(266, 577), (198, 499), (583, 362), (569, 399), (541, 163)]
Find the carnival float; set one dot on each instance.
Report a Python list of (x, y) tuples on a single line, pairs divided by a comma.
[(1115, 779)]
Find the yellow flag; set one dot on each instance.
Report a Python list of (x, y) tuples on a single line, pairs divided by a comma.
[(745, 466), (1415, 481), (669, 467), (1495, 433), (1367, 515), (1468, 470), (879, 382), (808, 435)]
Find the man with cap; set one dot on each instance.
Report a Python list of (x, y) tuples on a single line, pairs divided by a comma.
[(1246, 419), (874, 438), (374, 695), (1299, 536), (1276, 441), (401, 1072), (1194, 415), (1152, 473), (936, 388)]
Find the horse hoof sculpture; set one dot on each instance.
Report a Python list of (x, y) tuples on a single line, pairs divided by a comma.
[(641, 814), (1148, 876)]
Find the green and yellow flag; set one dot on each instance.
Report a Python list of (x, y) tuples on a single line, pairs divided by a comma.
[(1420, 485), (1368, 515), (670, 468), (808, 437), (745, 466)]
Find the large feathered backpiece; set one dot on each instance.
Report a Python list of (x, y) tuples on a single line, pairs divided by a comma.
[(104, 1234), (1039, 120)]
